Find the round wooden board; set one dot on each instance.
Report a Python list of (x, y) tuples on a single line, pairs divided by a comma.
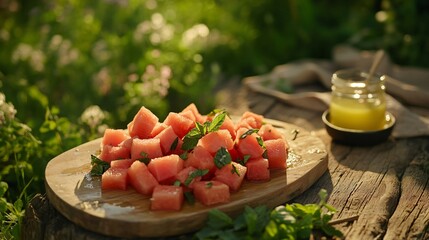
[(78, 196)]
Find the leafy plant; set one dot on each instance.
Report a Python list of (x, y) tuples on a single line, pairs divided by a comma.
[(23, 158), (291, 221)]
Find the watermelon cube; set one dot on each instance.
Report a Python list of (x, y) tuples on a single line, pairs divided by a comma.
[(146, 148), (123, 163), (188, 114), (126, 143), (168, 138), (229, 125), (249, 145), (165, 168), (268, 132), (277, 151), (181, 125), (114, 137), (250, 120), (114, 178), (256, 119), (213, 141), (142, 124), (200, 158), (211, 192), (110, 153), (258, 169), (232, 175), (193, 108), (141, 179), (157, 129), (167, 197)]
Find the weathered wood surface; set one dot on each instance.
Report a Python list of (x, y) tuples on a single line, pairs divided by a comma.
[(387, 185)]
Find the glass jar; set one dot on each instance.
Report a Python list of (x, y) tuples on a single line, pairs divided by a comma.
[(357, 102)]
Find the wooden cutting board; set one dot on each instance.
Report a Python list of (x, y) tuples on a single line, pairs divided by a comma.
[(78, 196)]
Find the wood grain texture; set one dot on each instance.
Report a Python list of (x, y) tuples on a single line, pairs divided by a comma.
[(387, 185), (79, 198)]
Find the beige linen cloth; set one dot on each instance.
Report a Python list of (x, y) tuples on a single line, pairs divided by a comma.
[(406, 87)]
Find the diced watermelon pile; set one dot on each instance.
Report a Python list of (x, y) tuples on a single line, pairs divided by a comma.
[(208, 156)]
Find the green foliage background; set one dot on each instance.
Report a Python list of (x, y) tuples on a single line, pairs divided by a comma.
[(71, 68)]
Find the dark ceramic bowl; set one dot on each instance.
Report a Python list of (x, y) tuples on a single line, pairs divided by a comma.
[(359, 137)]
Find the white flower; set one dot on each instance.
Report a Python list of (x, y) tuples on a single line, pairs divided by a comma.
[(24, 52), (2, 98), (195, 33), (153, 82), (7, 110), (157, 30), (93, 116)]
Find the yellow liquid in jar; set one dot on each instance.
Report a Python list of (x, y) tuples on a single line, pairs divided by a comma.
[(351, 114)]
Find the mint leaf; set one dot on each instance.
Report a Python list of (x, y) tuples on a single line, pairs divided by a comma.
[(256, 219), (192, 137), (265, 154), (202, 128), (184, 156), (145, 158), (234, 170), (244, 160), (215, 111), (217, 122), (222, 158), (260, 142), (249, 132), (194, 174), (174, 144), (290, 221), (219, 220), (177, 183), (189, 197), (195, 134), (98, 166), (189, 143)]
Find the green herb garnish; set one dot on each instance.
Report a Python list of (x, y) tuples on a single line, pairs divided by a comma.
[(234, 170), (209, 184), (184, 156), (98, 166), (222, 158), (290, 221), (265, 154), (145, 158), (174, 144), (177, 183), (244, 160), (215, 111), (260, 141), (248, 132), (217, 122), (191, 138), (189, 197), (194, 174)]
